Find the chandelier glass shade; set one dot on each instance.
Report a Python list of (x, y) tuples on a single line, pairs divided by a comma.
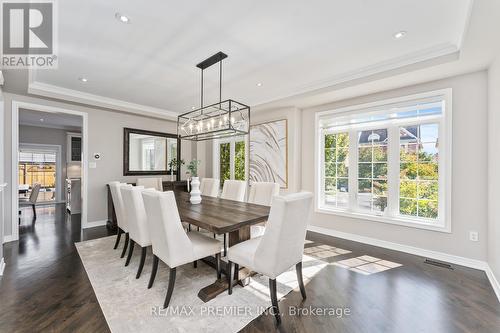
[(219, 120)]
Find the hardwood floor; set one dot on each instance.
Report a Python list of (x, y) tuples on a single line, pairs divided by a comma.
[(45, 288)]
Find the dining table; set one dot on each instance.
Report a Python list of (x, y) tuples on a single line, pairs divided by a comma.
[(221, 216)]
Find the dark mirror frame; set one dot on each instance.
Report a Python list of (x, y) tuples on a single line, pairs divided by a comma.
[(126, 140)]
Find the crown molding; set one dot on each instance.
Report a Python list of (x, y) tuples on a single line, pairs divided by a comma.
[(428, 57), (57, 92)]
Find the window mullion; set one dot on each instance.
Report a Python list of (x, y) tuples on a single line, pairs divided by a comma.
[(232, 154), (353, 170), (393, 171)]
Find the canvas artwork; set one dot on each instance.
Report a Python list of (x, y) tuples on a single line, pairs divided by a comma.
[(268, 153)]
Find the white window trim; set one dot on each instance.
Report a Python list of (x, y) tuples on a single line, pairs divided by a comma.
[(445, 157), (216, 155)]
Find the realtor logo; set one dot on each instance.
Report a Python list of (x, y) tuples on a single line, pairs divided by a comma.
[(28, 34)]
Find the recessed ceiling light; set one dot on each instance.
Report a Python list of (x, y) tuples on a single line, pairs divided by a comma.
[(259, 84), (399, 34), (122, 18), (83, 79), (193, 108), (42, 120)]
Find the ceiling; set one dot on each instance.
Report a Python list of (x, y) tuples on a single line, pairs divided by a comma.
[(50, 120), (290, 47)]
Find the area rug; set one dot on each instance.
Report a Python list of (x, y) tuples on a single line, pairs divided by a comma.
[(129, 306)]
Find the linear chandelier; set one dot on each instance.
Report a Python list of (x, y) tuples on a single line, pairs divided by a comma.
[(219, 120)]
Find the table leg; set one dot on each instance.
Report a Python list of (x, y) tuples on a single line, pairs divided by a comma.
[(221, 285)]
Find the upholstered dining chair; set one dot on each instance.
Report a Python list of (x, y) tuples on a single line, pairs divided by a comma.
[(171, 244), (210, 187), (156, 183), (281, 246), (262, 193), (32, 200), (121, 217), (136, 222), (233, 190)]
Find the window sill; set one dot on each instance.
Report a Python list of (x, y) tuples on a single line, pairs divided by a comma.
[(401, 221)]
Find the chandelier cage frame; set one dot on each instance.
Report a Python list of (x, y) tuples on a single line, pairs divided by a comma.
[(215, 121)]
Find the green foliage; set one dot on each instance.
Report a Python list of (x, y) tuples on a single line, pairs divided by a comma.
[(239, 160), (225, 162), (193, 167), (175, 164), (418, 187)]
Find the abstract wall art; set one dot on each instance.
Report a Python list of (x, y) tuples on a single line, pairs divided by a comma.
[(269, 153)]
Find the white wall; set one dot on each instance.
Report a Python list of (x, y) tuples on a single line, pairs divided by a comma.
[(469, 175), (105, 136), (494, 168)]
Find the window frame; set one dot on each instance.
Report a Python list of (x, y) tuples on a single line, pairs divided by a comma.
[(232, 153), (443, 223)]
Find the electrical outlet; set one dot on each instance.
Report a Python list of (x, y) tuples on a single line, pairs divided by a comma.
[(473, 236)]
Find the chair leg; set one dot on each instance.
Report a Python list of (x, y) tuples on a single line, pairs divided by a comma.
[(298, 268), (189, 227), (130, 251), (217, 265), (153, 272), (230, 277), (118, 236), (195, 264), (274, 300), (34, 211), (225, 246), (171, 282), (141, 263), (236, 272), (125, 246)]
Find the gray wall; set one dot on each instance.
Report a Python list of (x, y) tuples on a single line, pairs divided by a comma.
[(469, 171), (48, 136), (494, 169), (106, 137)]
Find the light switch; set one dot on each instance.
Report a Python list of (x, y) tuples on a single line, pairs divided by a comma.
[(92, 165)]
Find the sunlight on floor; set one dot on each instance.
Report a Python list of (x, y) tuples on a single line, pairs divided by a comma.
[(366, 265)]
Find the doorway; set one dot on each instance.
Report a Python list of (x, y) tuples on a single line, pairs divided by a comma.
[(45, 166)]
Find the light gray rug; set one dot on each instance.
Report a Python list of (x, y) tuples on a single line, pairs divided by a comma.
[(129, 306)]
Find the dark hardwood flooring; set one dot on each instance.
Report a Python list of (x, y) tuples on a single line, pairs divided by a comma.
[(45, 288)]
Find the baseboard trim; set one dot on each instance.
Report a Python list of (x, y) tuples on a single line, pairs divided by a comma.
[(8, 239), (457, 260), (94, 224), (493, 281), (2, 266)]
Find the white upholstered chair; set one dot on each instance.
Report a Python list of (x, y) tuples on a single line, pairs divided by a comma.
[(210, 187), (121, 217), (234, 190), (156, 183), (281, 246), (171, 244), (35, 190), (136, 222), (262, 193)]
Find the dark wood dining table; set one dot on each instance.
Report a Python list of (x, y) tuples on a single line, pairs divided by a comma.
[(221, 216)]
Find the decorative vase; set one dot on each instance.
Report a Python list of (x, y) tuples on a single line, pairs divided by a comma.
[(195, 191), (172, 175)]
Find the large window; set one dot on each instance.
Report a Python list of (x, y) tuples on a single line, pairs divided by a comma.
[(230, 159), (387, 161)]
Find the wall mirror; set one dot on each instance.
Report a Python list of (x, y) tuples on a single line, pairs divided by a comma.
[(149, 153)]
